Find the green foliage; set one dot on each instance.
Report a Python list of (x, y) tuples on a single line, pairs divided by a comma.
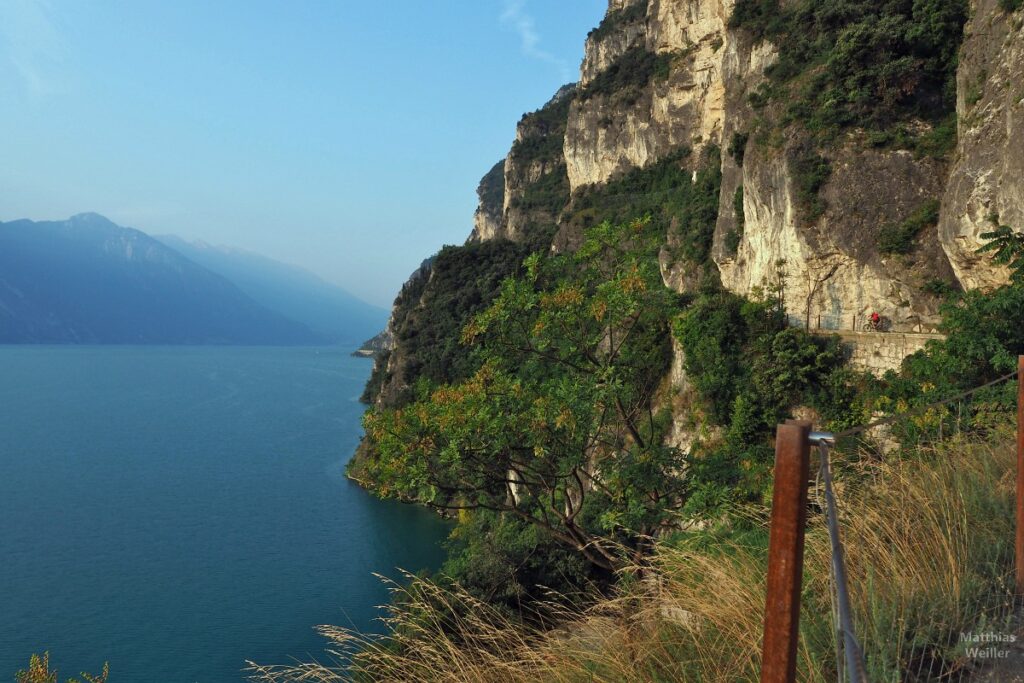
[(984, 339), (749, 370), (436, 303), (939, 141), (616, 19), (900, 238), (810, 172), (377, 378), (626, 78), (544, 133), (39, 671), (939, 287), (859, 63), (492, 186), (512, 564), (734, 235), (1007, 248), (549, 193), (936, 142), (570, 356), (667, 194), (738, 146), (1011, 5)]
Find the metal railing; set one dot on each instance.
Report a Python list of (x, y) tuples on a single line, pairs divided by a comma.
[(788, 525)]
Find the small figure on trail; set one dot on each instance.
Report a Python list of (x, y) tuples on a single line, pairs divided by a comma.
[(876, 320)]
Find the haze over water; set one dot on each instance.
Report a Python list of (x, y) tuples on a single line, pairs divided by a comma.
[(179, 510)]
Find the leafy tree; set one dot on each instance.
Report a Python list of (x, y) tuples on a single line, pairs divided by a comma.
[(512, 564), (1007, 247), (750, 370), (558, 426)]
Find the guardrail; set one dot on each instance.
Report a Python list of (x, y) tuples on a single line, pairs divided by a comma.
[(793, 443)]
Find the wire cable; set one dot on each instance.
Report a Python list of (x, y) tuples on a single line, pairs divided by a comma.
[(921, 409), (853, 657)]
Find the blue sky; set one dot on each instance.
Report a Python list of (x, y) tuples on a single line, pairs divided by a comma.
[(347, 137)]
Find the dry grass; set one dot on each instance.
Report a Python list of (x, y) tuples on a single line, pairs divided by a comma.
[(929, 548)]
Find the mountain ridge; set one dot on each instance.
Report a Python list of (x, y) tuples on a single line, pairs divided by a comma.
[(326, 308), (87, 280)]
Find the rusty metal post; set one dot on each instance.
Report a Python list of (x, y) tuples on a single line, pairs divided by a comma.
[(786, 552), (1019, 548)]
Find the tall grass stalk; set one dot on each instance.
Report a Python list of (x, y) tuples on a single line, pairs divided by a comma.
[(928, 535)]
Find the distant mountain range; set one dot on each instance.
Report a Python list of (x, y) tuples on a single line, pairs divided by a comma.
[(326, 309), (87, 280)]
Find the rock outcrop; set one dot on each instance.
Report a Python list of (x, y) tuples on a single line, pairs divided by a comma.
[(673, 81), (986, 182)]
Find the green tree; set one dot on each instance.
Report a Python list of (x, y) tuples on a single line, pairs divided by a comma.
[(558, 426), (1007, 247)]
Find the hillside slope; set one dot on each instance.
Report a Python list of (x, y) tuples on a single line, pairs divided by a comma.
[(88, 281), (288, 290)]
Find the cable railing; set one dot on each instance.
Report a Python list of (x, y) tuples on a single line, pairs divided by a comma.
[(794, 441)]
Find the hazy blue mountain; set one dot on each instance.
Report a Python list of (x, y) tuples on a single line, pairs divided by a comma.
[(291, 291), (87, 280)]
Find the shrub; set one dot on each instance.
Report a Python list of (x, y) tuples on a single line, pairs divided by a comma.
[(738, 146), (938, 287), (859, 63), (618, 18), (39, 671), (625, 79), (900, 238), (810, 172)]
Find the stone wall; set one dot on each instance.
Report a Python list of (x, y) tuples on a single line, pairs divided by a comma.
[(881, 351)]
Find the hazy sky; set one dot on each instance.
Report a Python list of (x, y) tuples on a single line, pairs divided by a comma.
[(345, 136)]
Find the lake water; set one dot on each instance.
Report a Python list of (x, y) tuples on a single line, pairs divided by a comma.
[(177, 511)]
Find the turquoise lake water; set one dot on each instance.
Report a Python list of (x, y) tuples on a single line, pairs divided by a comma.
[(177, 511)]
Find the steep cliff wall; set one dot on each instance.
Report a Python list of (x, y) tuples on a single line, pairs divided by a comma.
[(489, 219), (847, 208), (648, 86), (986, 182)]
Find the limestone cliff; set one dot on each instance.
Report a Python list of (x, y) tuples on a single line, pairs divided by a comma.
[(987, 178), (857, 221), (660, 75)]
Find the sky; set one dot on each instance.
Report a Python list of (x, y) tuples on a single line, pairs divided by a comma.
[(345, 137)]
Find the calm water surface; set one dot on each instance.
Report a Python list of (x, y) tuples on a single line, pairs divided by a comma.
[(177, 511)]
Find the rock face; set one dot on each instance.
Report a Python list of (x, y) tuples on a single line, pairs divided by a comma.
[(833, 272), (610, 132), (488, 220), (660, 77), (987, 177)]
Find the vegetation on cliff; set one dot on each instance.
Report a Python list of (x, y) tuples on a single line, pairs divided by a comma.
[(885, 68), (927, 534), (616, 19), (626, 78), (432, 309), (680, 208), (557, 444), (568, 361), (863, 64)]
